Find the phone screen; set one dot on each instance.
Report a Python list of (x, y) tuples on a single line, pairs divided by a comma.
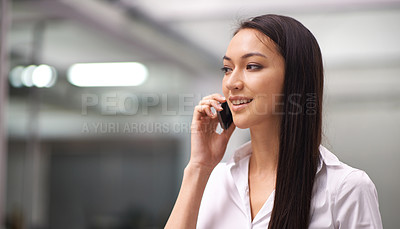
[(225, 116)]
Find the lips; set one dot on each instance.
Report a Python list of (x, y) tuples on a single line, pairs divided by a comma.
[(239, 102)]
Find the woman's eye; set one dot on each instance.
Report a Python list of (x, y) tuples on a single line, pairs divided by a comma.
[(226, 70), (253, 67)]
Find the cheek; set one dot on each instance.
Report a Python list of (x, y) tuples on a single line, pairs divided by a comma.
[(270, 82), (267, 90), (224, 88)]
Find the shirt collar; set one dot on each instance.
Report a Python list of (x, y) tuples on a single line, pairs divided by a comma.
[(325, 156), (240, 153), (239, 168), (239, 164)]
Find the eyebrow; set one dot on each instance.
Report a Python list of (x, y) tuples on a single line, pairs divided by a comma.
[(246, 56)]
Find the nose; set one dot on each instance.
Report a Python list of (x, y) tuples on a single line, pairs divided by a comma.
[(235, 80)]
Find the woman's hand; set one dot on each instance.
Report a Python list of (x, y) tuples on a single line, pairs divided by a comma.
[(207, 150), (207, 146)]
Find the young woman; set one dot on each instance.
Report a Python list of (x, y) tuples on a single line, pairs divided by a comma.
[(283, 178)]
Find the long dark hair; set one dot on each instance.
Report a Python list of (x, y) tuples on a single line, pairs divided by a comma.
[(300, 133)]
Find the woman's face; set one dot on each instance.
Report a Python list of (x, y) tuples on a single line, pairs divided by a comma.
[(254, 77)]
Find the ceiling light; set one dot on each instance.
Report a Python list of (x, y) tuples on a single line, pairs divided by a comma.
[(26, 76), (43, 76), (107, 74), (15, 76)]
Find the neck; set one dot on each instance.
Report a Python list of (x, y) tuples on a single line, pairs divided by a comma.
[(265, 147)]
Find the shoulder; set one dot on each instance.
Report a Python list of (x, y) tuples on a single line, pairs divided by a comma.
[(352, 194), (339, 175), (341, 178), (356, 180), (355, 187)]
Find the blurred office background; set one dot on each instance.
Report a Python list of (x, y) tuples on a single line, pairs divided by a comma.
[(110, 157)]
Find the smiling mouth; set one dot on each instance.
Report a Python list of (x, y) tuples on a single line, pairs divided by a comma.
[(241, 101)]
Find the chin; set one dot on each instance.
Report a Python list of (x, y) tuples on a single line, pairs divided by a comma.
[(240, 123)]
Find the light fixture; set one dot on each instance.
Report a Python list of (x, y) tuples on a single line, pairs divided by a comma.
[(26, 76), (15, 76), (32, 75), (43, 76), (119, 74)]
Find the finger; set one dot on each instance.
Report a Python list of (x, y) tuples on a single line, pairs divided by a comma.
[(199, 117), (208, 110), (202, 110), (215, 96), (197, 113), (211, 102)]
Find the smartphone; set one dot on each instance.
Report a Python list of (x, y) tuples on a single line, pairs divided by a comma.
[(225, 116)]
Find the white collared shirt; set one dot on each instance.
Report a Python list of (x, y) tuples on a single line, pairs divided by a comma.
[(343, 197)]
